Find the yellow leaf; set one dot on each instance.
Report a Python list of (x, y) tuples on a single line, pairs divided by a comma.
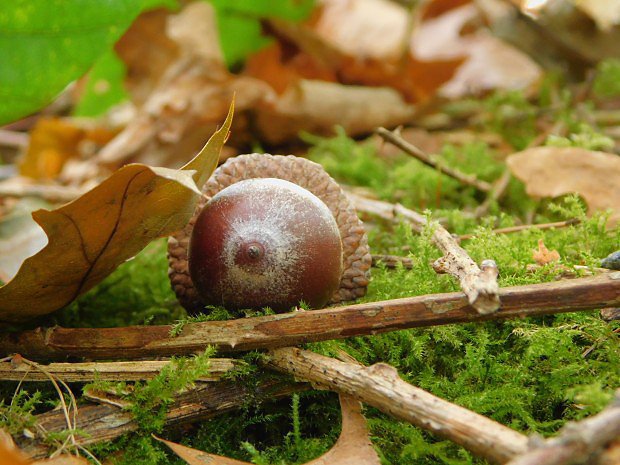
[(91, 236)]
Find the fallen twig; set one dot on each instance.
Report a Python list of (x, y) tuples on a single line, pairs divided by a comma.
[(294, 328), (380, 386), (524, 227), (98, 423), (433, 162), (480, 285), (497, 192), (104, 371), (577, 442), (15, 139)]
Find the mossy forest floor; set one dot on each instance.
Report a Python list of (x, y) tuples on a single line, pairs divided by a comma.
[(531, 374)]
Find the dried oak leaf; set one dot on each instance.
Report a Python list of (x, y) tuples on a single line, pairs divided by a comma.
[(555, 171), (543, 255), (91, 236), (488, 63), (53, 141), (364, 42), (11, 455), (352, 448)]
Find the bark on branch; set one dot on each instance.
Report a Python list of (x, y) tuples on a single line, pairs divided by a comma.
[(290, 329), (104, 371), (433, 161), (380, 386), (480, 285), (99, 423), (577, 442)]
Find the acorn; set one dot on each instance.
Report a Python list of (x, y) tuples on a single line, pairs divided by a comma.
[(265, 243), (255, 252)]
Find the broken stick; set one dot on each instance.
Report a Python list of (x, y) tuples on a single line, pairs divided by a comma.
[(99, 423), (478, 283), (380, 386), (433, 162), (289, 329), (105, 371), (576, 442)]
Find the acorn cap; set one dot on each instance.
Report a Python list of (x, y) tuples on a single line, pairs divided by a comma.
[(305, 173)]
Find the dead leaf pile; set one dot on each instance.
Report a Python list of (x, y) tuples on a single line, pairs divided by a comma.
[(359, 64)]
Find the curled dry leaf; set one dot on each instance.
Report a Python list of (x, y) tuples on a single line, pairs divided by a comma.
[(543, 255), (555, 171), (91, 236), (352, 448)]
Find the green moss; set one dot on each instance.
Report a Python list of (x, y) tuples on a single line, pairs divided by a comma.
[(513, 116), (16, 412), (583, 137), (607, 82), (138, 292), (532, 374)]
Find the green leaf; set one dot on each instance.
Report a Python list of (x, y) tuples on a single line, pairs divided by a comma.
[(239, 23), (104, 86), (46, 44)]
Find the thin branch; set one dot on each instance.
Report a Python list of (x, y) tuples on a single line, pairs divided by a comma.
[(15, 139), (380, 386), (98, 423), (432, 161), (524, 227), (105, 371), (480, 285), (497, 192), (294, 328), (577, 442)]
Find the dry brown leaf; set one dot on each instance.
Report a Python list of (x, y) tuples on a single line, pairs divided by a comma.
[(11, 455), (543, 255), (364, 42), (281, 68), (20, 236), (189, 98), (146, 52), (352, 448), (605, 13), (317, 106), (53, 141), (555, 171), (91, 236), (566, 30), (488, 62)]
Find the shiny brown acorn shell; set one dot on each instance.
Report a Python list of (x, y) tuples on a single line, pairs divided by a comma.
[(310, 176)]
